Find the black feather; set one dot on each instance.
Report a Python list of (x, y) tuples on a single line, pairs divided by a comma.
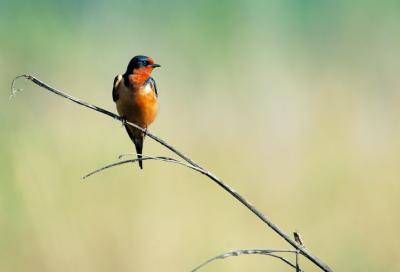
[(114, 91), (137, 139)]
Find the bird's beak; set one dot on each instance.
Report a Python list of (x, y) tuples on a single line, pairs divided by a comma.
[(155, 65)]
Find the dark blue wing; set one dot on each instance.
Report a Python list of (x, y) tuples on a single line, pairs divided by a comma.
[(153, 85), (115, 95)]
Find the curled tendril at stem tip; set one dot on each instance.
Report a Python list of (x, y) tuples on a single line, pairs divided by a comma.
[(14, 90), (14, 93)]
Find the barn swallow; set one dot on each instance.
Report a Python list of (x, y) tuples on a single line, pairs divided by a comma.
[(135, 95)]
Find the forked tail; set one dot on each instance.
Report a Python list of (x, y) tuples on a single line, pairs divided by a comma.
[(137, 138)]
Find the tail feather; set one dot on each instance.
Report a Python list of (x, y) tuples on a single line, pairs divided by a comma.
[(137, 138), (139, 149)]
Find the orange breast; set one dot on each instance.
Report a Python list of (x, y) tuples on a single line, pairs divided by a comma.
[(137, 104), (145, 107)]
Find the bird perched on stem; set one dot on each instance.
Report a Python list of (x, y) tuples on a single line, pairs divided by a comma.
[(135, 94)]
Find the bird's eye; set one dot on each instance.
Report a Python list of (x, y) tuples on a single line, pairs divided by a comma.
[(144, 63)]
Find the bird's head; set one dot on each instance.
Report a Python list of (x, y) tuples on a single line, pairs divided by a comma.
[(141, 65)]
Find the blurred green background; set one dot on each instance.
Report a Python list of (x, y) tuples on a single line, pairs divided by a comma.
[(293, 103)]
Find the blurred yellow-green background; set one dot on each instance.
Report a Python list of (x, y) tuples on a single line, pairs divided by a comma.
[(293, 103)]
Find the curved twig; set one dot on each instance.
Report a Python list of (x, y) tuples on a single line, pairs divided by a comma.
[(144, 158), (217, 180), (268, 252)]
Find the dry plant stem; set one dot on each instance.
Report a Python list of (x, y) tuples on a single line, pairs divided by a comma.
[(227, 188), (268, 252), (144, 158), (297, 261)]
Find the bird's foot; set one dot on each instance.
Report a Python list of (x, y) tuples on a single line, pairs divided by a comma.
[(123, 121)]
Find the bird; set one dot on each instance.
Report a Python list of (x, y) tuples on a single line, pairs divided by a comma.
[(136, 97)]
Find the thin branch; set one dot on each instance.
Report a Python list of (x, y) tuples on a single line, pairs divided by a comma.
[(268, 252), (297, 262), (217, 180), (144, 158)]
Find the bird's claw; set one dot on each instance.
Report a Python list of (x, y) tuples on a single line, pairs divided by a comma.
[(123, 121)]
